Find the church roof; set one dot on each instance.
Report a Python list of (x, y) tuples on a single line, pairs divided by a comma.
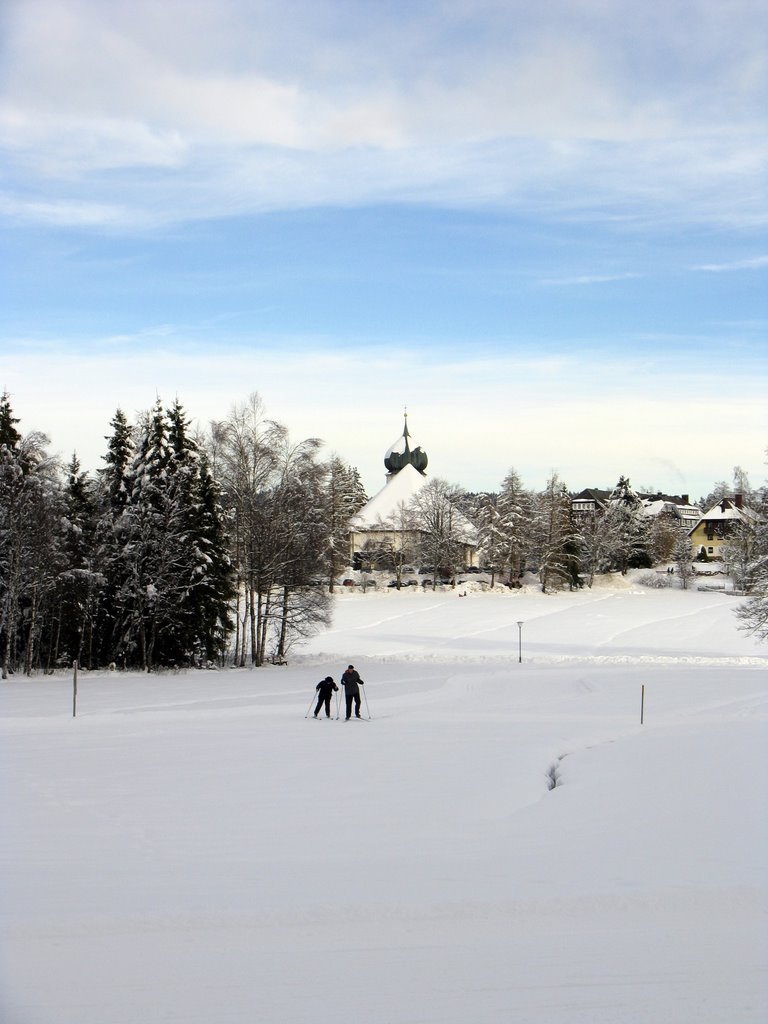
[(382, 508), (406, 478), (404, 452)]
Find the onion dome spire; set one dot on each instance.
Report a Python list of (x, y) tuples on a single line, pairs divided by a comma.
[(403, 453)]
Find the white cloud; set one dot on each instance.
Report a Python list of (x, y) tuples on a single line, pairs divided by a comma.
[(69, 213), (238, 107), (589, 279), (754, 263)]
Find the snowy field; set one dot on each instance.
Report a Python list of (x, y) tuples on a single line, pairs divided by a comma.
[(192, 849)]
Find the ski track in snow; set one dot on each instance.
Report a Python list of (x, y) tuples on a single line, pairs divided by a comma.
[(649, 622), (577, 605)]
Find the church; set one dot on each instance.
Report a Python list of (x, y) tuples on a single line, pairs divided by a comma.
[(387, 523)]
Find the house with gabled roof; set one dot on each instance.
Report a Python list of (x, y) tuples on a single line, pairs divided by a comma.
[(676, 507), (590, 502), (593, 501), (717, 526)]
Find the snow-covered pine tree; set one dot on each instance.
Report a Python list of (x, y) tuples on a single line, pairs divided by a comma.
[(79, 583), (113, 488), (683, 558), (149, 531), (172, 603), (216, 586), (515, 520), (114, 476), (342, 496), (628, 529), (556, 541), (9, 435), (491, 539), (202, 559)]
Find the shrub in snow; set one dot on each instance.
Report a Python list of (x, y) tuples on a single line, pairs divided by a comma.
[(653, 579)]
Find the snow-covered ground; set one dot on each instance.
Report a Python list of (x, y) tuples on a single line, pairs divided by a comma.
[(191, 848)]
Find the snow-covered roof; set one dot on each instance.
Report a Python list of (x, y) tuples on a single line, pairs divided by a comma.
[(655, 507), (382, 511), (399, 490), (726, 509)]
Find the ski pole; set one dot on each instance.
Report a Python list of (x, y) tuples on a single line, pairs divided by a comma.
[(337, 705), (367, 709), (310, 707)]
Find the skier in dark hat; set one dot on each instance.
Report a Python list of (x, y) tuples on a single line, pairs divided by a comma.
[(325, 690), (352, 682)]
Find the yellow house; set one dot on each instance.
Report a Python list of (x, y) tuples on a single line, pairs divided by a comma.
[(715, 529)]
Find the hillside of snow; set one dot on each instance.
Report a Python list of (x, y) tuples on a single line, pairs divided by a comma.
[(503, 840)]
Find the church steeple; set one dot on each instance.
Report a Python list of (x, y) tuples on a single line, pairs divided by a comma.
[(401, 454)]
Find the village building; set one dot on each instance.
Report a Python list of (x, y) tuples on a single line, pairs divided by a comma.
[(387, 525), (594, 501), (717, 527), (677, 508)]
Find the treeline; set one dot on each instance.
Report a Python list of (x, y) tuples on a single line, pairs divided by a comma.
[(223, 547), (521, 531), (180, 551)]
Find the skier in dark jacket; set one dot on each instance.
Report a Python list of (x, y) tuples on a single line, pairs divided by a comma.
[(325, 690), (352, 682)]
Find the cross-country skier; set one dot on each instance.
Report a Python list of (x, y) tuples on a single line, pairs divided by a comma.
[(325, 690), (352, 682)]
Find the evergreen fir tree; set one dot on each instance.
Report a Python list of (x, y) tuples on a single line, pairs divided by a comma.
[(493, 546), (515, 507), (9, 435), (683, 558), (148, 534), (202, 561), (628, 529), (112, 497), (79, 582), (343, 495), (215, 584), (556, 540), (114, 477)]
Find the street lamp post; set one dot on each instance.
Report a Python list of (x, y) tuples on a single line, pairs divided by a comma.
[(520, 642)]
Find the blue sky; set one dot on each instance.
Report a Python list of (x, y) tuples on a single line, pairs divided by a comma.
[(541, 228)]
